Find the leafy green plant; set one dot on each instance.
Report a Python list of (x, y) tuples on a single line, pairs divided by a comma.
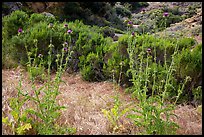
[(114, 55), (47, 110), (189, 62), (19, 121), (115, 114), (151, 107), (92, 69), (36, 18), (124, 12), (11, 23), (197, 93)]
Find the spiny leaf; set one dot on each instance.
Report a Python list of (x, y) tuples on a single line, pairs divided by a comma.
[(5, 120), (22, 129)]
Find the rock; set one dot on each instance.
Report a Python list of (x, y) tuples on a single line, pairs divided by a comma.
[(136, 26), (43, 6), (14, 5), (48, 14), (10, 7), (37, 6), (115, 38)]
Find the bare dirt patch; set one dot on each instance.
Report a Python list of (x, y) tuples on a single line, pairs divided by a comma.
[(84, 101)]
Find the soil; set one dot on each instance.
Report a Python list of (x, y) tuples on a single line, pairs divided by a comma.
[(84, 101)]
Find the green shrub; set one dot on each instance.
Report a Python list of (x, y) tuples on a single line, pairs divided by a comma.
[(197, 94), (163, 22), (191, 11), (123, 11), (36, 18), (42, 34), (92, 67), (114, 57), (186, 43), (107, 31), (175, 10), (189, 63), (11, 23)]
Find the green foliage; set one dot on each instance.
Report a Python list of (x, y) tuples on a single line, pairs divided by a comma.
[(36, 18), (189, 62), (171, 19), (92, 67), (152, 98), (107, 31), (116, 113), (14, 21), (191, 11), (175, 10), (186, 42), (95, 13), (163, 22), (122, 11), (115, 55), (37, 73), (135, 5), (46, 110), (19, 121), (197, 93)]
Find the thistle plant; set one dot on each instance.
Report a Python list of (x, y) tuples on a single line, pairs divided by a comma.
[(152, 114), (18, 120), (115, 114), (47, 109)]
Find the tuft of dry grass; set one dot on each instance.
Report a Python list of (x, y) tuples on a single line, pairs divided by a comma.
[(84, 101), (189, 120)]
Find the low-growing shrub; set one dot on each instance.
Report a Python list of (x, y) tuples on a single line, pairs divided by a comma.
[(122, 11), (91, 68), (115, 57), (36, 18), (11, 23), (189, 62)]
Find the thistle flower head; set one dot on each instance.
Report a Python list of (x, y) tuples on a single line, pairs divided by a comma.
[(143, 10), (165, 14), (65, 49), (130, 22), (69, 31), (133, 33), (20, 30), (40, 55), (149, 50), (65, 25)]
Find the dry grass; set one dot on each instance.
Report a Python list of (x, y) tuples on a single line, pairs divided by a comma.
[(84, 101)]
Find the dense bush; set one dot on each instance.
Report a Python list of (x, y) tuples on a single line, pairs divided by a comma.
[(92, 13), (95, 54), (189, 63), (135, 5), (11, 24), (115, 57), (162, 22), (36, 18), (123, 12)]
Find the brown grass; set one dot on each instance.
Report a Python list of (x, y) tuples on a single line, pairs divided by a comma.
[(84, 101)]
